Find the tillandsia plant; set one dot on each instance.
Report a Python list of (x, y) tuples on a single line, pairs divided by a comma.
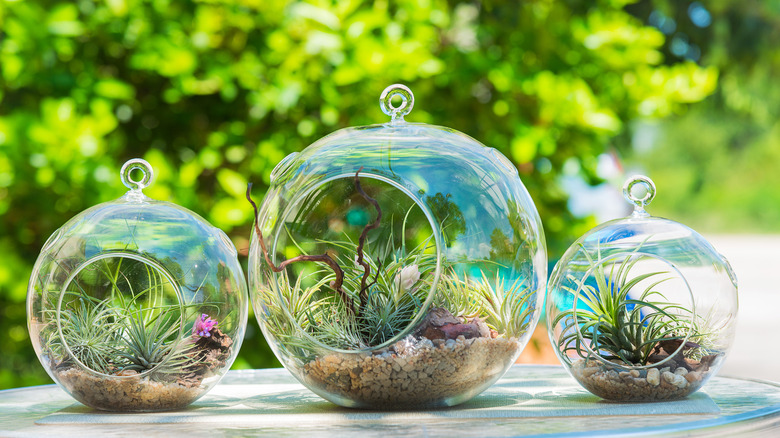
[(377, 290), (612, 323), (624, 317), (630, 341), (123, 338), (92, 332), (508, 308), (123, 331)]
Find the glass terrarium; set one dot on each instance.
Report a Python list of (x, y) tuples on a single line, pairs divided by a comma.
[(137, 304), (642, 308), (397, 265)]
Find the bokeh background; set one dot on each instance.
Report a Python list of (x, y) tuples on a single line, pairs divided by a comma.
[(213, 93)]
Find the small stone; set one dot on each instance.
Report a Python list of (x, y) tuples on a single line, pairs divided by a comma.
[(681, 371), (484, 330), (634, 373), (693, 376), (587, 372), (654, 376), (674, 379), (332, 359)]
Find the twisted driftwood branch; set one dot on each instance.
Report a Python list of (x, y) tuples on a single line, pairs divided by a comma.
[(324, 258), (366, 267)]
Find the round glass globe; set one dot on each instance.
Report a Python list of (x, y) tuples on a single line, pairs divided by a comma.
[(397, 265), (642, 308), (137, 304)]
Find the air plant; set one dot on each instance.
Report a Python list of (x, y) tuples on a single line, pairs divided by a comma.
[(365, 295), (394, 296), (282, 298), (92, 332), (507, 308), (375, 297), (148, 341), (615, 325), (128, 330)]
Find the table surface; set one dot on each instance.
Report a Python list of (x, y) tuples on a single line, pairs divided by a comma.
[(530, 400)]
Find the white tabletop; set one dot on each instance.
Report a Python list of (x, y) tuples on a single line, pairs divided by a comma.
[(531, 400)]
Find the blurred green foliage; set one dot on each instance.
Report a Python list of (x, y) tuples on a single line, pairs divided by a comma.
[(716, 166), (214, 93)]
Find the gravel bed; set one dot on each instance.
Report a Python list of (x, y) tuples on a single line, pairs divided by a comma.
[(662, 383), (414, 372), (129, 394)]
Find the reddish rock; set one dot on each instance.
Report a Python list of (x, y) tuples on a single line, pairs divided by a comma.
[(439, 323), (468, 331), (432, 333), (430, 327)]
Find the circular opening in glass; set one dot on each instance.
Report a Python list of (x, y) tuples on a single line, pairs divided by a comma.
[(625, 305), (120, 312), (384, 241)]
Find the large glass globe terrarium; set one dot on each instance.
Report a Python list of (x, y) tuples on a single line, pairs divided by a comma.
[(137, 304), (397, 265), (642, 308)]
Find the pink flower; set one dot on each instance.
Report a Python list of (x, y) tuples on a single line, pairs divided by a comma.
[(203, 326)]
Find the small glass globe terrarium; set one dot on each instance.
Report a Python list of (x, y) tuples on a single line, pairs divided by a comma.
[(397, 265), (642, 308), (137, 304)]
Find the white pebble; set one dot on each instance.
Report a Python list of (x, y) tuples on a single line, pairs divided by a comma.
[(654, 376)]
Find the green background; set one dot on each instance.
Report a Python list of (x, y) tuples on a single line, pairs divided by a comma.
[(214, 93)]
